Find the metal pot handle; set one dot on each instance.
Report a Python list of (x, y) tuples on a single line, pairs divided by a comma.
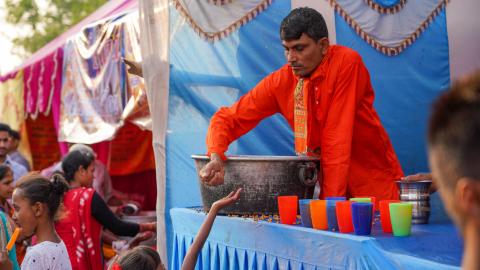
[(307, 174)]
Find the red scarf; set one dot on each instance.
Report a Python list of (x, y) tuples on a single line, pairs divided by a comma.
[(80, 232)]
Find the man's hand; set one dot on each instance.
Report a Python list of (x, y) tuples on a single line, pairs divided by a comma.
[(213, 173), (133, 67), (226, 201), (420, 177), (417, 177)]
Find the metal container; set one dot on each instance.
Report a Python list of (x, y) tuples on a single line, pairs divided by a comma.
[(263, 179), (417, 193)]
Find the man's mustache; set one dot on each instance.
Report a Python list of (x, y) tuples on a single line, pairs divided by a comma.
[(295, 65)]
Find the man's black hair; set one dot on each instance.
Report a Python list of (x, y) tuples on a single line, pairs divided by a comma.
[(14, 134), (303, 20), (5, 127)]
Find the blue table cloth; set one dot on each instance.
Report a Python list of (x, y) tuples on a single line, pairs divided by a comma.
[(241, 243)]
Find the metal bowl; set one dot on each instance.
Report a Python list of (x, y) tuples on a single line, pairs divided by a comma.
[(414, 190), (417, 193), (263, 179)]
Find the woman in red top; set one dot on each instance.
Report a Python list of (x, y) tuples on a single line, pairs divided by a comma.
[(87, 214)]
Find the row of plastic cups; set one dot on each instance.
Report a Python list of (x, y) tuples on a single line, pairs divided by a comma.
[(356, 215)]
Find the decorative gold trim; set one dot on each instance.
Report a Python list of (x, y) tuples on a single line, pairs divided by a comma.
[(390, 51), (386, 10), (227, 31)]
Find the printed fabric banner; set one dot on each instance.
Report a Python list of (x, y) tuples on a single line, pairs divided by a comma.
[(11, 100), (136, 110), (93, 90)]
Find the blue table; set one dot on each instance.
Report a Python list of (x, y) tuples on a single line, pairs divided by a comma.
[(239, 243)]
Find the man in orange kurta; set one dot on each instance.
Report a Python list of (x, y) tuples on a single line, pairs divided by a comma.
[(342, 127)]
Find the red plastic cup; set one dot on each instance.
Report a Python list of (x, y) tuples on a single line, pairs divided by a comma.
[(385, 215), (344, 216), (287, 208)]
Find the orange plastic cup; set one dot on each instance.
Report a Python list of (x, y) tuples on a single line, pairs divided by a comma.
[(344, 216), (287, 208), (385, 215), (318, 213)]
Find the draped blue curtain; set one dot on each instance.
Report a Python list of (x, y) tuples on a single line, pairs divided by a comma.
[(204, 77)]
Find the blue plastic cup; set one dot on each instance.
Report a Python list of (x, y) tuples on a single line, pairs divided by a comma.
[(362, 218), (336, 198), (305, 212), (332, 212)]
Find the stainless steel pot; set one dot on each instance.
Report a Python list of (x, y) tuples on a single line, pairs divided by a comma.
[(417, 193), (263, 179)]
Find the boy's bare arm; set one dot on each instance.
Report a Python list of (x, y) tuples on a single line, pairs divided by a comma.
[(192, 253)]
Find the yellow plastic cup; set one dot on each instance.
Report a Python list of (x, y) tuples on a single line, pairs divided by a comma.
[(362, 199)]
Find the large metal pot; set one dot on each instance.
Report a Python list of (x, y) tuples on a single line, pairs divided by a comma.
[(263, 179)]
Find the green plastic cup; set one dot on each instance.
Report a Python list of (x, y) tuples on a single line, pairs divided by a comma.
[(401, 218), (365, 199)]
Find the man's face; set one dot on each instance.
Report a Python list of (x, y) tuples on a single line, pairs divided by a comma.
[(304, 54), (6, 187), (4, 143)]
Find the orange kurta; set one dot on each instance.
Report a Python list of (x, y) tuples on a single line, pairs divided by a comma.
[(356, 154)]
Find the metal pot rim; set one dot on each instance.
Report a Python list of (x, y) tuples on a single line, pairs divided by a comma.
[(260, 158), (413, 182)]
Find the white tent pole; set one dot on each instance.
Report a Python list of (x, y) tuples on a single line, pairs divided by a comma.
[(154, 29), (463, 27)]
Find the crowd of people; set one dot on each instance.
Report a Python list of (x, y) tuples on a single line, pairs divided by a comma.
[(64, 212), (64, 215)]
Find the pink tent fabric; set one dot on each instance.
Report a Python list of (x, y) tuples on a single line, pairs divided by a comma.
[(43, 71), (111, 8), (41, 80)]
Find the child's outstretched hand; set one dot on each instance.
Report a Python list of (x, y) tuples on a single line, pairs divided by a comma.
[(226, 201)]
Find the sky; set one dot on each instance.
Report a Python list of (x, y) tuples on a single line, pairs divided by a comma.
[(7, 32)]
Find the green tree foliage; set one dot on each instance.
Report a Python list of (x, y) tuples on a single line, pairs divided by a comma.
[(46, 19)]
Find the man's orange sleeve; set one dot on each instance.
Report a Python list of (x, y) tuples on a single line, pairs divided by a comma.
[(338, 130), (229, 123)]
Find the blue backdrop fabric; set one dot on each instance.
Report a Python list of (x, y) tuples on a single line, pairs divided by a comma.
[(204, 77), (405, 86), (239, 243)]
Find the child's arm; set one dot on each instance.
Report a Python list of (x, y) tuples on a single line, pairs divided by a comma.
[(191, 258)]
